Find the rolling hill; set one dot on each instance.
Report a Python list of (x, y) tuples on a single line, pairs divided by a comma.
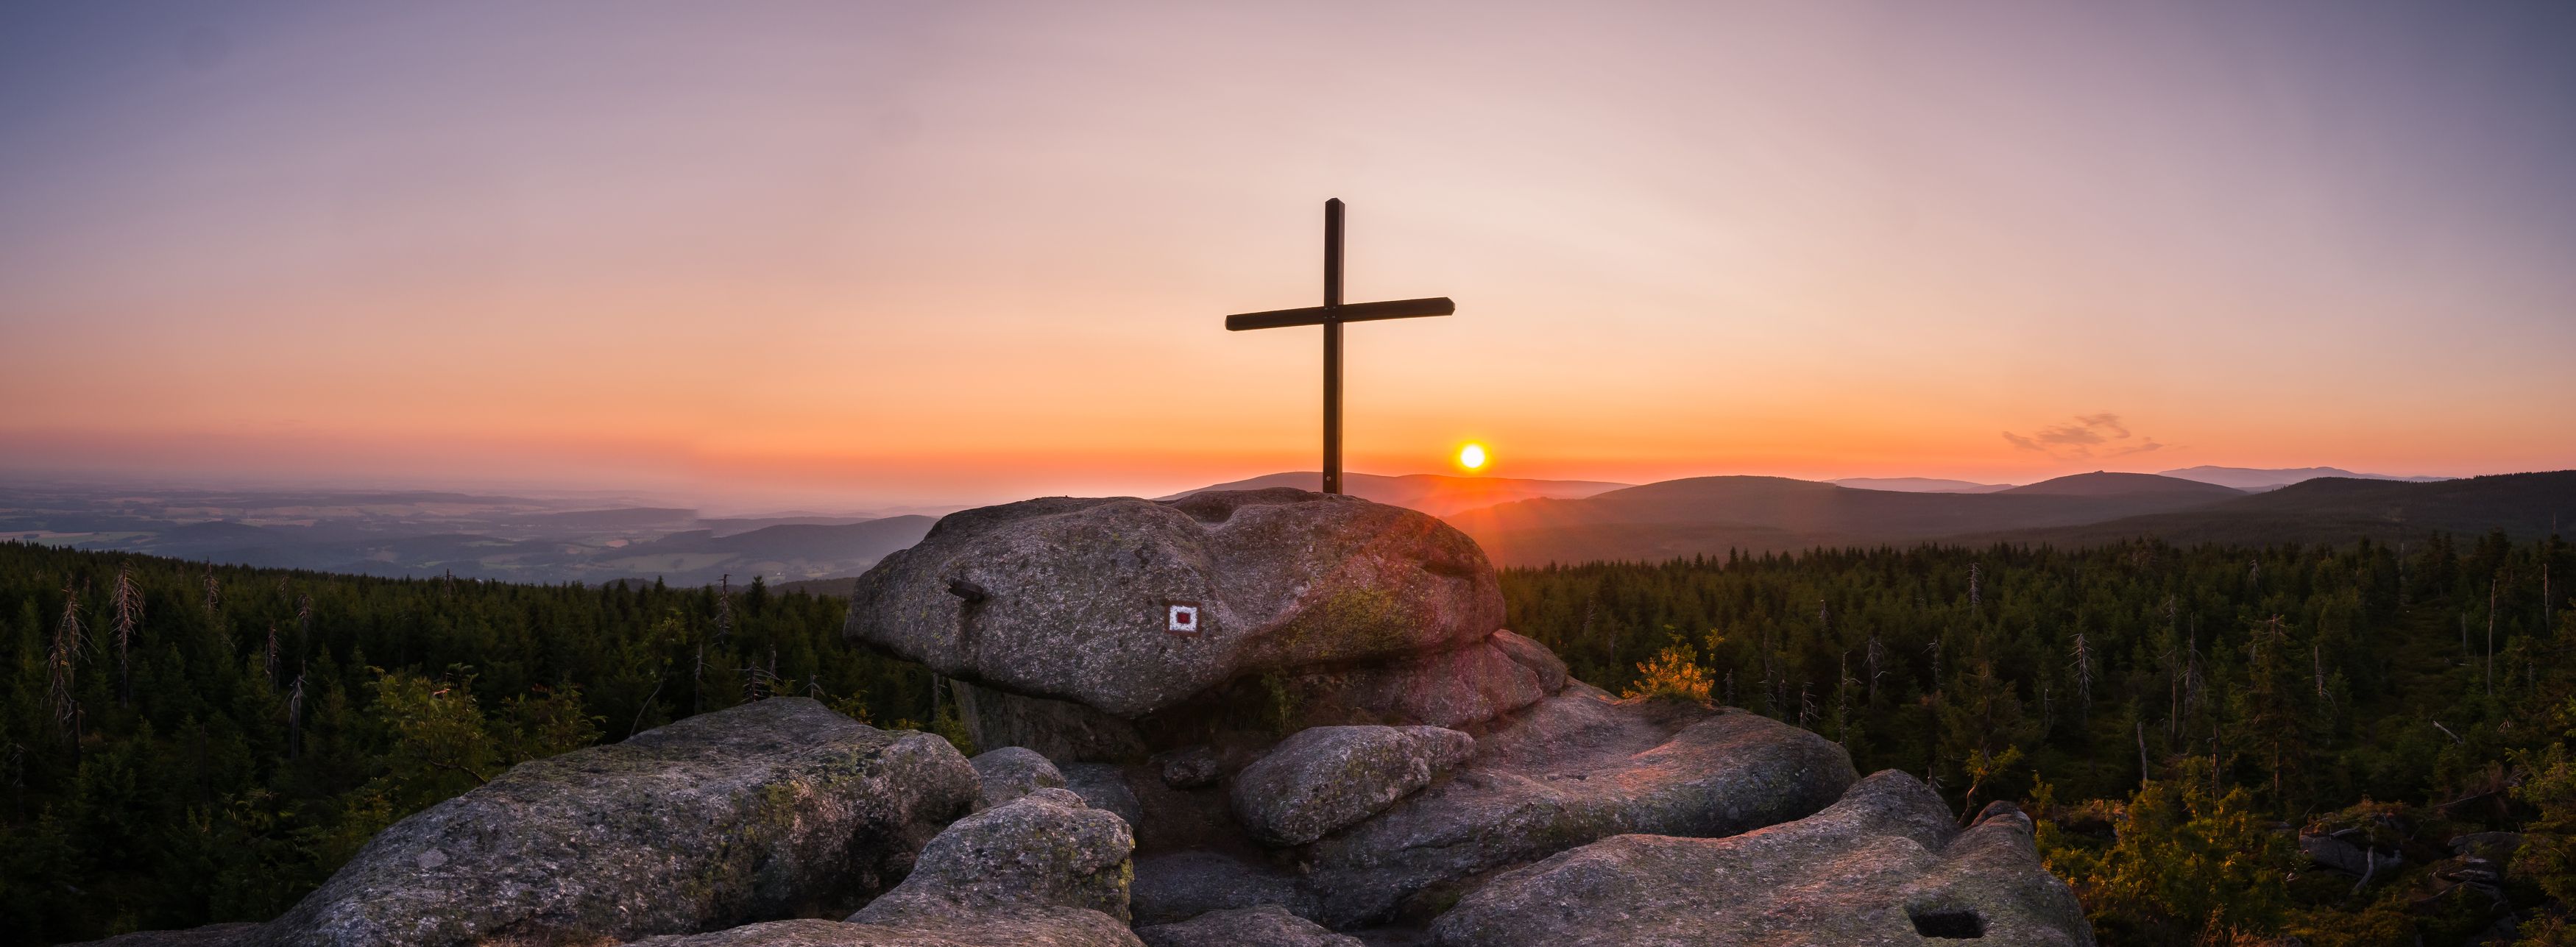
[(2337, 509), (2257, 479), (1918, 485), (1436, 494), (1710, 515), (426, 534), (1714, 514)]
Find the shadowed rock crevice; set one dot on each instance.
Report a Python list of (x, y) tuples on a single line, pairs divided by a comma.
[(1947, 923)]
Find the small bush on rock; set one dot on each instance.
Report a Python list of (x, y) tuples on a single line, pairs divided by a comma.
[(1674, 674)]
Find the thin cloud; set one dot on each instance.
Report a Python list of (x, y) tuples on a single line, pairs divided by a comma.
[(2090, 436)]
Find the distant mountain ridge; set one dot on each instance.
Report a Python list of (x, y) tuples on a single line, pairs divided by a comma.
[(421, 533), (1711, 515), (1518, 521), (2130, 485), (1436, 494), (2343, 509), (1918, 485), (2254, 478), (1714, 514)]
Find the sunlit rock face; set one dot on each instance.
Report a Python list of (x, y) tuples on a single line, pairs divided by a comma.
[(1564, 772), (1131, 606), (1886, 865)]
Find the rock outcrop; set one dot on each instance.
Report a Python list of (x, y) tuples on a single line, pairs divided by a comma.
[(1104, 787), (1133, 606), (1575, 768), (1329, 777), (1011, 772), (772, 809), (1041, 869), (1885, 865), (1264, 718), (1046, 850)]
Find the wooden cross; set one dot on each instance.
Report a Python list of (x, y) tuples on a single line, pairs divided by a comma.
[(1331, 315)]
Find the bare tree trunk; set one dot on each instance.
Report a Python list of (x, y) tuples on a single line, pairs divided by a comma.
[(2144, 771), (2493, 586)]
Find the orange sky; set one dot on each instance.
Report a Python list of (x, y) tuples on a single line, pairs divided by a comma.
[(847, 255)]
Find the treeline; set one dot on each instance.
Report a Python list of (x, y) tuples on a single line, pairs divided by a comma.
[(183, 744), (2175, 714)]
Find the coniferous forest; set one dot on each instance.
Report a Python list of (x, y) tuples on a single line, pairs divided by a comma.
[(2175, 718), (184, 744)]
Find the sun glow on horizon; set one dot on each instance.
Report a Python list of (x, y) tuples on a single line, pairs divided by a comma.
[(962, 254), (1471, 457)]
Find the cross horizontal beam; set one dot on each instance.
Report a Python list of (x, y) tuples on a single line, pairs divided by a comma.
[(1331, 315)]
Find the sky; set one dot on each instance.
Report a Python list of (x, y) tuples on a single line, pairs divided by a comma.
[(840, 255)]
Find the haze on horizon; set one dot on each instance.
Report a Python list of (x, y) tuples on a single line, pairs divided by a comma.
[(880, 253)]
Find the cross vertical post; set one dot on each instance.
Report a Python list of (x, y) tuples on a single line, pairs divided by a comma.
[(1331, 315), (1332, 347)]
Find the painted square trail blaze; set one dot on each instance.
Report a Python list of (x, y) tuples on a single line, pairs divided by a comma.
[(1331, 315), (1181, 618)]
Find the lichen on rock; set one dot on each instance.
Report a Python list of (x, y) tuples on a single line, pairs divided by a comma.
[(766, 810), (1885, 865), (1046, 849), (1326, 778), (1073, 599)]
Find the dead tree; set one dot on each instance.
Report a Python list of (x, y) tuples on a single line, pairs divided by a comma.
[(724, 607), (2494, 586), (2082, 665), (295, 718), (127, 601), (61, 663)]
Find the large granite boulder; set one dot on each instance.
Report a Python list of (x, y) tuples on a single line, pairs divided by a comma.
[(1045, 849), (1567, 771), (1885, 865), (772, 809), (1266, 926), (1132, 606), (1329, 777), (1011, 772), (1041, 869), (1103, 786)]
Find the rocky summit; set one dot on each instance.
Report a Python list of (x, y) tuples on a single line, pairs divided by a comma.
[(1262, 718), (1132, 606)]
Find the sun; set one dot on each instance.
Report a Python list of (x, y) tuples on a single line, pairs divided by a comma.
[(1472, 457)]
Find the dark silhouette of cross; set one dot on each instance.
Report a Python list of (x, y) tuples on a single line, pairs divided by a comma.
[(1331, 315)]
